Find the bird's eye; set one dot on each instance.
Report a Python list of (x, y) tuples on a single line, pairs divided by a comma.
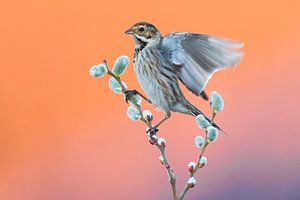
[(141, 29)]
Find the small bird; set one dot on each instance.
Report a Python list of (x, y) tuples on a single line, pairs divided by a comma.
[(160, 61)]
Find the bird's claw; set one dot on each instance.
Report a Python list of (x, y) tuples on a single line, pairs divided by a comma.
[(152, 131), (129, 94)]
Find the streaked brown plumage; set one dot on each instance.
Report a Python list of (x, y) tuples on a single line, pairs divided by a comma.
[(159, 62)]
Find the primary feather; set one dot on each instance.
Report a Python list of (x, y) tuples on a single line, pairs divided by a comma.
[(200, 56)]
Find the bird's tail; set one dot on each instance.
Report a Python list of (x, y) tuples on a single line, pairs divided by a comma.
[(195, 112)]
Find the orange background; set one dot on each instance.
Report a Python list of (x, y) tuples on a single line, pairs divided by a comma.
[(65, 136)]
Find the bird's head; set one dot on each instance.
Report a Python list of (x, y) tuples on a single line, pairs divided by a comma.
[(145, 34)]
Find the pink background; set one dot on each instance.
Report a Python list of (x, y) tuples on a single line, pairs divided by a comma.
[(65, 135)]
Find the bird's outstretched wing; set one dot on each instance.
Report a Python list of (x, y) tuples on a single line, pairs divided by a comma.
[(200, 56)]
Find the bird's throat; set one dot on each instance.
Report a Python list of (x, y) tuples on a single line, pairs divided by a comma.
[(139, 46), (140, 43)]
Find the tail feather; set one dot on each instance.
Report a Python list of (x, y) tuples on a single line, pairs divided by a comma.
[(204, 95)]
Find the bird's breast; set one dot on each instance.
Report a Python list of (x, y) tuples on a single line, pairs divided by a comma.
[(156, 82)]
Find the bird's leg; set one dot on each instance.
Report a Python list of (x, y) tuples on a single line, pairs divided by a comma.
[(130, 93), (152, 131), (167, 116)]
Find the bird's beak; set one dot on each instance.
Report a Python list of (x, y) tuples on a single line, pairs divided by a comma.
[(129, 31)]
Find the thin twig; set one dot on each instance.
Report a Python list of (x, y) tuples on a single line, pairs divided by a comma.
[(197, 167), (171, 174), (162, 149)]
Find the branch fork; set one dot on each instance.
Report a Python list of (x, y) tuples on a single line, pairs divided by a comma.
[(160, 143)]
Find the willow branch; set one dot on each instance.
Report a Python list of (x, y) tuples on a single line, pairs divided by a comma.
[(153, 140), (197, 167), (160, 143), (171, 174), (187, 187)]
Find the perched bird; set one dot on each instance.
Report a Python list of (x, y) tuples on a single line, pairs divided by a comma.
[(160, 61)]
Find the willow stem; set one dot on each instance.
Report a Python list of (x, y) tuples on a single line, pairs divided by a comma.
[(162, 149), (197, 167)]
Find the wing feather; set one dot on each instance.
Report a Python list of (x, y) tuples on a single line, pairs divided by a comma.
[(200, 56)]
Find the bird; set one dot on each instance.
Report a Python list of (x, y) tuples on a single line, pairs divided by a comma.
[(161, 62)]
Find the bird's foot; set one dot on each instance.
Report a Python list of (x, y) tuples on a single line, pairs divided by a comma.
[(152, 131), (129, 94)]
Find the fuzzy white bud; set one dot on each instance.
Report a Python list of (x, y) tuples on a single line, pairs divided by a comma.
[(202, 161), (152, 139), (201, 121), (161, 159), (133, 113), (98, 70), (161, 142), (212, 133), (147, 115), (199, 141), (217, 103), (115, 86), (134, 99), (192, 166), (120, 65), (191, 182)]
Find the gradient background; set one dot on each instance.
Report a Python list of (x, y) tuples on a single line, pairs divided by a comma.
[(65, 136)]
